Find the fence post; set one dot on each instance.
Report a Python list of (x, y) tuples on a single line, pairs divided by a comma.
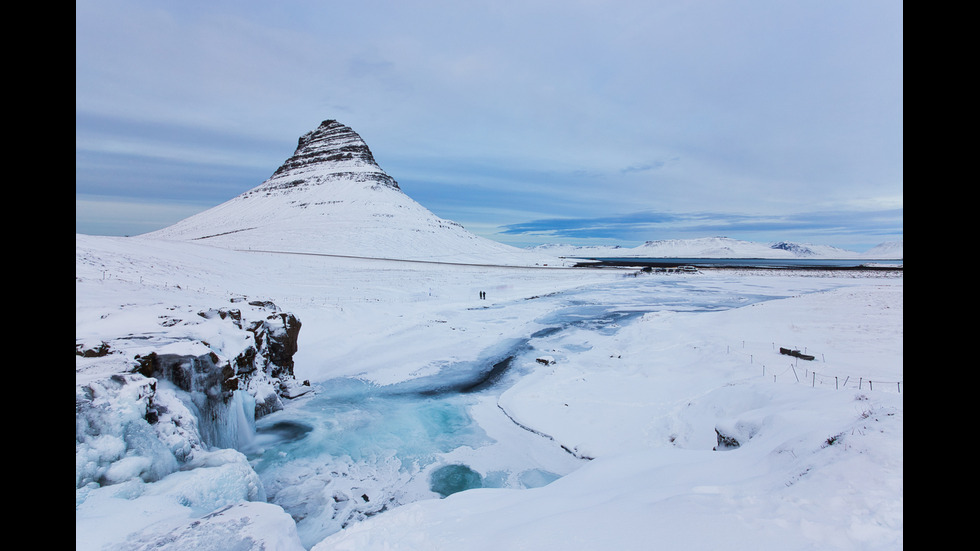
[(794, 373), (814, 383)]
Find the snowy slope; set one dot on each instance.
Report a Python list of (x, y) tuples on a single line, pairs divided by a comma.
[(331, 197), (891, 249)]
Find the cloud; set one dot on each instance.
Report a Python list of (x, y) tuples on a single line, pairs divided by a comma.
[(109, 215), (844, 227), (644, 167)]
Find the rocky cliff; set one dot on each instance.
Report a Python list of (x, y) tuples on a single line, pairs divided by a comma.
[(180, 395)]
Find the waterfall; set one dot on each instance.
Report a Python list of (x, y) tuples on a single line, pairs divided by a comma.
[(226, 416), (228, 423)]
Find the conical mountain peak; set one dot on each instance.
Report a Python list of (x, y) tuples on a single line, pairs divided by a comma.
[(331, 197)]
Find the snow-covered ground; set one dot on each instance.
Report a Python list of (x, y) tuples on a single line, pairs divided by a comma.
[(686, 427)]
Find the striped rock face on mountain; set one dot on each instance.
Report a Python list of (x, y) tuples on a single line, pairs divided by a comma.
[(332, 151), (332, 197)]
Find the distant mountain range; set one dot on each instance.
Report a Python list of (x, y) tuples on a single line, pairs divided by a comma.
[(331, 197), (723, 247)]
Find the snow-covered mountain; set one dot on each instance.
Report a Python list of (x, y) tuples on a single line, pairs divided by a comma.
[(332, 197), (723, 247), (891, 249)]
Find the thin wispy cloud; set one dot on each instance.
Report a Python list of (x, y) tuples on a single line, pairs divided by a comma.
[(646, 226)]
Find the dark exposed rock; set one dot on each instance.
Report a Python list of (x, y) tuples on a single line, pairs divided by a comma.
[(726, 442), (267, 304), (245, 362), (97, 351), (224, 313), (204, 373), (331, 144), (283, 341), (795, 248)]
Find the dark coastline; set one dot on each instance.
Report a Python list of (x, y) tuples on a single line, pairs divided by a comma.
[(742, 263)]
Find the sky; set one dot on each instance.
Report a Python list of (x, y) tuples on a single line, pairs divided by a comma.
[(583, 122)]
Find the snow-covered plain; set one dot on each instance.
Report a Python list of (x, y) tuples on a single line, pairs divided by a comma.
[(680, 427)]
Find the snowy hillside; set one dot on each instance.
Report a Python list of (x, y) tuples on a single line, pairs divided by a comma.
[(891, 249), (331, 197), (723, 247)]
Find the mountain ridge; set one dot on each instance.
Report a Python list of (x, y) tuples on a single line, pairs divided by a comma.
[(724, 247)]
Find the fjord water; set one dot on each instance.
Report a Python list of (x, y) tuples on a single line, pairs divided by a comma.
[(799, 263), (353, 448)]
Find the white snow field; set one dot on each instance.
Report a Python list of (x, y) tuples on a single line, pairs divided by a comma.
[(641, 411)]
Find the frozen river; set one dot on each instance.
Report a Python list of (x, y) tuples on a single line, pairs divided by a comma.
[(354, 449)]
